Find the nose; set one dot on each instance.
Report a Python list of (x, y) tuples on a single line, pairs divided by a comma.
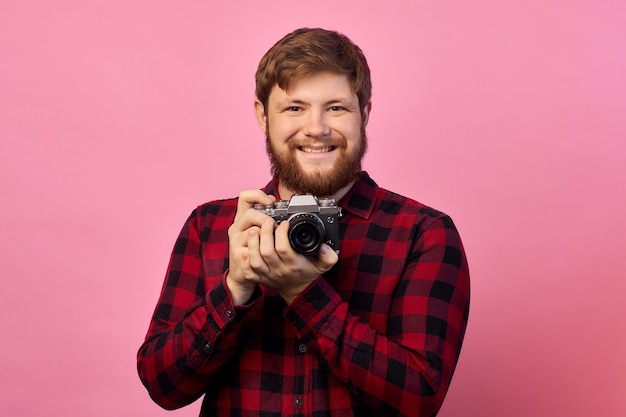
[(316, 125)]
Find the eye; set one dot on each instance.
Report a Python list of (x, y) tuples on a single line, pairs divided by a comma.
[(294, 108), (336, 108)]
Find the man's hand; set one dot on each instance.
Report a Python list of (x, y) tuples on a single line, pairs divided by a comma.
[(260, 252), (241, 280), (278, 266)]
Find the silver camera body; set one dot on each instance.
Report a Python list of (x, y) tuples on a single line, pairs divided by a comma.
[(312, 221)]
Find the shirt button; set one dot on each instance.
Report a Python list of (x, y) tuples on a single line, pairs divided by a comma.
[(229, 313), (302, 348), (206, 348), (298, 401)]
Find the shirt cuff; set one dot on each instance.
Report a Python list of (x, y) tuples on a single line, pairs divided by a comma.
[(310, 310), (220, 313), (220, 298)]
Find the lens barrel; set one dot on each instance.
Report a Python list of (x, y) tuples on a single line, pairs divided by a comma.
[(306, 232)]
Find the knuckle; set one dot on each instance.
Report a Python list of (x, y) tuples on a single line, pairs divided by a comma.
[(283, 250), (249, 274), (266, 251)]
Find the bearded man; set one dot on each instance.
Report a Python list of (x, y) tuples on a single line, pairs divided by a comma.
[(370, 324)]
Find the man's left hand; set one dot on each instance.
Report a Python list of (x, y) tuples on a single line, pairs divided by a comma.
[(279, 266)]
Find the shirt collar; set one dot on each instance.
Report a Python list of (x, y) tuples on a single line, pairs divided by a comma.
[(359, 200)]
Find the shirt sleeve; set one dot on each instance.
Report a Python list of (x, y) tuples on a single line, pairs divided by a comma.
[(193, 331), (406, 371)]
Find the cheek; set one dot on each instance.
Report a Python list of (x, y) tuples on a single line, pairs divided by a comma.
[(352, 132), (282, 128)]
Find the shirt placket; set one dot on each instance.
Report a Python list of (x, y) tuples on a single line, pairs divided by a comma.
[(302, 371)]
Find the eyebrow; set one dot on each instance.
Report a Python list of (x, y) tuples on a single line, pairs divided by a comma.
[(339, 100)]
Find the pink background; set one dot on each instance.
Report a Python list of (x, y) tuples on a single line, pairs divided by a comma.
[(118, 117)]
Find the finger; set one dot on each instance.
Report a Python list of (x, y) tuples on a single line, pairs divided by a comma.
[(267, 242), (247, 199), (250, 218), (267, 237), (257, 263), (247, 272), (281, 238), (246, 215), (326, 258)]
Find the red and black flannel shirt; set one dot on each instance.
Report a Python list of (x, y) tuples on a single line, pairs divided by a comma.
[(379, 334)]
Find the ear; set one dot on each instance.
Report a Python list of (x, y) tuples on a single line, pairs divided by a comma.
[(365, 114), (261, 117)]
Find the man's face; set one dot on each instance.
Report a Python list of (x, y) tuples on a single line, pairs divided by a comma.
[(315, 133)]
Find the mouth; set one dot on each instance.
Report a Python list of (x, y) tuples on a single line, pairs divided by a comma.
[(306, 149)]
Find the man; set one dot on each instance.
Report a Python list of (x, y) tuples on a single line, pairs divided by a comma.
[(261, 329)]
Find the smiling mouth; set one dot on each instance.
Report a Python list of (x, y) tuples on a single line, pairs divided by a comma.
[(317, 150)]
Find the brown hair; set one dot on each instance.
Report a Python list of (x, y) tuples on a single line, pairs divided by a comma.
[(306, 51)]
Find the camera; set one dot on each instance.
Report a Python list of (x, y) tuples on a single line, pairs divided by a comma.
[(312, 221)]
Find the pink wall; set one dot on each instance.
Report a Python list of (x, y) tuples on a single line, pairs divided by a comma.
[(118, 117)]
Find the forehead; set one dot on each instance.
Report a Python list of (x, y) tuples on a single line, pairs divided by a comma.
[(320, 85)]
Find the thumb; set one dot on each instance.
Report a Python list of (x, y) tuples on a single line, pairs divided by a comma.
[(327, 257)]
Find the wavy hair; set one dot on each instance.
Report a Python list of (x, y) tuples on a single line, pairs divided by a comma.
[(307, 51)]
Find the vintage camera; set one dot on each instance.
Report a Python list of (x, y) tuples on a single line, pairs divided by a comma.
[(312, 221)]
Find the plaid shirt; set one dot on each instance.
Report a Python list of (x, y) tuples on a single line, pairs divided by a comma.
[(379, 334)]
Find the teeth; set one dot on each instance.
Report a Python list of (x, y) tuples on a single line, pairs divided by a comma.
[(322, 150)]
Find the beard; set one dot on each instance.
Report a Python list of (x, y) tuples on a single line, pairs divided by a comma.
[(345, 170)]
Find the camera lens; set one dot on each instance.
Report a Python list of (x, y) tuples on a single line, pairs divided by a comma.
[(306, 232)]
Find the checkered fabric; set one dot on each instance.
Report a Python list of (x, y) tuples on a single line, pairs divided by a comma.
[(379, 334)]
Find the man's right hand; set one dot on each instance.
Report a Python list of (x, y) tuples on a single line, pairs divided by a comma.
[(241, 279)]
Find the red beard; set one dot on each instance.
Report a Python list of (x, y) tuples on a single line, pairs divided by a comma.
[(286, 168)]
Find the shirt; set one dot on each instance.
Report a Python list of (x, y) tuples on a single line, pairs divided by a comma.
[(378, 334)]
